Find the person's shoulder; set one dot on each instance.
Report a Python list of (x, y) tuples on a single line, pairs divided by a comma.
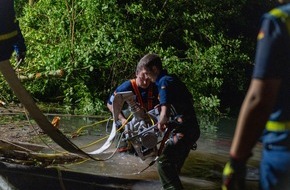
[(125, 86), (168, 79), (127, 82), (280, 13)]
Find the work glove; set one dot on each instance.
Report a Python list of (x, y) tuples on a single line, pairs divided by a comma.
[(234, 175)]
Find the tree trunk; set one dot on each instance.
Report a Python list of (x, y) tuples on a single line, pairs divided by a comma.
[(31, 2)]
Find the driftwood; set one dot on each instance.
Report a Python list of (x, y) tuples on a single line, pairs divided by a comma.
[(29, 154), (8, 145), (55, 74)]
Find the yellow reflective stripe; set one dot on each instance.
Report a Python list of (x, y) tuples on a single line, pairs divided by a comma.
[(8, 35), (278, 126), (228, 170), (227, 173), (278, 13), (224, 187)]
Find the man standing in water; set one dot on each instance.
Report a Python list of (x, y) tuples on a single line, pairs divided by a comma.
[(145, 91), (172, 93), (146, 96), (266, 108)]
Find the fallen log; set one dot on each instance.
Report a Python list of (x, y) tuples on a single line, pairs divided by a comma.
[(8, 145), (30, 154)]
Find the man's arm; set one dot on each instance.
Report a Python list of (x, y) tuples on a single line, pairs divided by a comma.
[(253, 116), (164, 116)]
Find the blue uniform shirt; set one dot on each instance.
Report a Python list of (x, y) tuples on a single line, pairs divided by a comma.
[(273, 57), (173, 91), (273, 62)]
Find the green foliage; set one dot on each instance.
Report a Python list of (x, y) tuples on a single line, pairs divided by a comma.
[(98, 43), (82, 41)]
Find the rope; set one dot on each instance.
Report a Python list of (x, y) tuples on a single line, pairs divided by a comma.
[(75, 134), (99, 140), (86, 126)]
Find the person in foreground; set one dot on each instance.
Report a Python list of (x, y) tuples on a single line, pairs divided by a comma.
[(172, 93), (265, 111), (10, 34), (146, 95)]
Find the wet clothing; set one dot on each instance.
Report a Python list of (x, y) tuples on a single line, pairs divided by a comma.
[(10, 34), (273, 62), (146, 96), (173, 92), (170, 163)]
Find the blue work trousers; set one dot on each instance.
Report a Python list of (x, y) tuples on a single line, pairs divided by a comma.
[(275, 168)]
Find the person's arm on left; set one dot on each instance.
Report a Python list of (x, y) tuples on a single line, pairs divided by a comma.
[(121, 117), (19, 46)]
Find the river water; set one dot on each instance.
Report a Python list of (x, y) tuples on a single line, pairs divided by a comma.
[(202, 169)]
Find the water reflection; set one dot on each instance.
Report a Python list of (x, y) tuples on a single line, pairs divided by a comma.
[(219, 141), (202, 170)]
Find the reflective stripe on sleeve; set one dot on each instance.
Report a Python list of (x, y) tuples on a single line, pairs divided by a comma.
[(8, 35), (277, 126)]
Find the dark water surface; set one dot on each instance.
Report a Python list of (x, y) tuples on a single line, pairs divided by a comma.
[(202, 169)]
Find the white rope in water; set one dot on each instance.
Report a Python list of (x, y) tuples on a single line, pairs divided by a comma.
[(108, 143), (118, 102)]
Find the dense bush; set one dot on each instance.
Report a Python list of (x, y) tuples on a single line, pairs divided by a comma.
[(98, 44)]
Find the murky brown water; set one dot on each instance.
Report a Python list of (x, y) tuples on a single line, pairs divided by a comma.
[(202, 169)]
